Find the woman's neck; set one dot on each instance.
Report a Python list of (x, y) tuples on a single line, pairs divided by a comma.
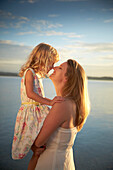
[(58, 90)]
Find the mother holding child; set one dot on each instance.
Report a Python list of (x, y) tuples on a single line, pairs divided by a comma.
[(66, 117)]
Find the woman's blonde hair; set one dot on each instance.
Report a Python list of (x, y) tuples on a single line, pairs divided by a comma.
[(75, 88), (40, 59)]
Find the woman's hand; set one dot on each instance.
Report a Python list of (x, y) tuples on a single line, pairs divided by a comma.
[(38, 150), (36, 154), (56, 99)]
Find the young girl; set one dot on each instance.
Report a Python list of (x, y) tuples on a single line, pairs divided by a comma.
[(33, 110)]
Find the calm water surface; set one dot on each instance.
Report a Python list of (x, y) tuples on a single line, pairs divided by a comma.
[(93, 148)]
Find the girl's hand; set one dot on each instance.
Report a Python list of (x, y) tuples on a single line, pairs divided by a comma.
[(56, 99), (37, 151)]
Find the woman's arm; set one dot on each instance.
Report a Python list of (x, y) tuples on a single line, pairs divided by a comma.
[(55, 118)]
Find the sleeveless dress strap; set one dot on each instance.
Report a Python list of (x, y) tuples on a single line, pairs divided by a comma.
[(29, 69)]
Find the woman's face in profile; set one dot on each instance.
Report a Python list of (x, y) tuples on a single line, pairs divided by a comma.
[(59, 73)]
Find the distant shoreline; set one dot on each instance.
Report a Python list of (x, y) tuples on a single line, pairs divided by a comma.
[(89, 77), (100, 78), (9, 74)]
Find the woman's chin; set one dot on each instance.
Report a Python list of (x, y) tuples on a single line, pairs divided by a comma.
[(50, 77)]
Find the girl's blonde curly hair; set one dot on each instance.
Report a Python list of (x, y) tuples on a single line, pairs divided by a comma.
[(40, 59)]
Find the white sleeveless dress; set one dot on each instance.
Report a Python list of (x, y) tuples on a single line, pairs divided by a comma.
[(59, 153)]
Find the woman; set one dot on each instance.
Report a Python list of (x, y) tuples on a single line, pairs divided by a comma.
[(65, 119)]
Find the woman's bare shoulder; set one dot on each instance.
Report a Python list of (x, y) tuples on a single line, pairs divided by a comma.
[(63, 106)]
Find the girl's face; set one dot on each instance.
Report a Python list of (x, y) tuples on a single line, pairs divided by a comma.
[(59, 73)]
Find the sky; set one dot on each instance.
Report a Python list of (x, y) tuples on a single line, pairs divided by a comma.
[(78, 29)]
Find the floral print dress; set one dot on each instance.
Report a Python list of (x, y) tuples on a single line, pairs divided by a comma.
[(29, 119)]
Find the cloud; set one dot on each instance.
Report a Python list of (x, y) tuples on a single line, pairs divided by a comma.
[(73, 35), (89, 19), (16, 24), (5, 14), (71, 0), (43, 28), (54, 33), (29, 1), (3, 25), (42, 25), (42, 22), (9, 42), (26, 33), (9, 15), (11, 51), (8, 20), (11, 62), (107, 57), (23, 18), (13, 48), (6, 42), (99, 70), (100, 54), (108, 21), (53, 15), (13, 55), (107, 9), (92, 47), (54, 25)]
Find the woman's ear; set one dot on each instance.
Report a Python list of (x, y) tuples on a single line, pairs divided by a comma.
[(65, 79)]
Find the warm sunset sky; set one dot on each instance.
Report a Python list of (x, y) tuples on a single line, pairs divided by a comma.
[(78, 29)]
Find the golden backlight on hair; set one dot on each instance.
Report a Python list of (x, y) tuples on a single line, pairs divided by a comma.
[(75, 88), (40, 59)]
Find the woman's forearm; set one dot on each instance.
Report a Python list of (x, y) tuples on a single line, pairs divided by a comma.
[(33, 162)]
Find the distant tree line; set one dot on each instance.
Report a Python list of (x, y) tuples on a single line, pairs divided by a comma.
[(89, 77)]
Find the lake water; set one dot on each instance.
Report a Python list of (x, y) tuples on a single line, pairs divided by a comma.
[(93, 148)]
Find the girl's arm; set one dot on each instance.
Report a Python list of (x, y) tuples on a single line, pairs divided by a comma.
[(56, 117), (31, 94)]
